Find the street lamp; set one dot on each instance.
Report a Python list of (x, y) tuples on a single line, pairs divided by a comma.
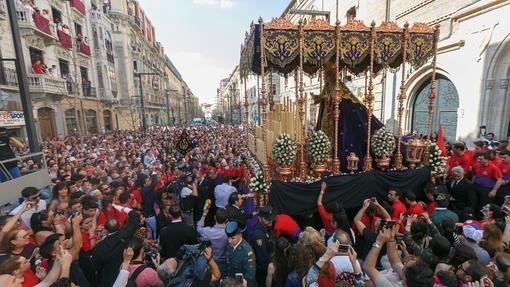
[(142, 100)]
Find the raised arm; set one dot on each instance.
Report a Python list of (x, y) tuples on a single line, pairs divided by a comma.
[(371, 259), (384, 214), (11, 223), (77, 239), (357, 219)]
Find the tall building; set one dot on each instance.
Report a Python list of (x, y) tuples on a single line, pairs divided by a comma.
[(81, 58), (473, 63)]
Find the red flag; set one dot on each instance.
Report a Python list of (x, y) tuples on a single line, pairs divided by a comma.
[(440, 141)]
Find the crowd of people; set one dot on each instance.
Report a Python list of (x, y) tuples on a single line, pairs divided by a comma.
[(126, 208)]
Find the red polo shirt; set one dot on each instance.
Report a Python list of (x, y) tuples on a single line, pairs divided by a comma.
[(416, 209), (463, 161), (487, 175), (398, 208), (504, 168)]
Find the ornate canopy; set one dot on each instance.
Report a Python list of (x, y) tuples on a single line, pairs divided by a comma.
[(282, 49)]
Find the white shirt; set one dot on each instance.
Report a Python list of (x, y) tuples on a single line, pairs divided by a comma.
[(25, 217), (185, 192)]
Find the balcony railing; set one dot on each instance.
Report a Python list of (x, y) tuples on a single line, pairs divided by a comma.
[(9, 77), (78, 5), (46, 84), (65, 39), (36, 21)]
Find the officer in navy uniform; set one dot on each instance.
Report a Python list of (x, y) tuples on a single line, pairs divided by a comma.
[(263, 242), (240, 256)]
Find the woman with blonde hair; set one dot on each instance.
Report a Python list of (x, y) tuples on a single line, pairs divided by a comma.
[(492, 239), (314, 240)]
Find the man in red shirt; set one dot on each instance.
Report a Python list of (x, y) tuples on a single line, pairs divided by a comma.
[(487, 179), (398, 206), (460, 157), (414, 207)]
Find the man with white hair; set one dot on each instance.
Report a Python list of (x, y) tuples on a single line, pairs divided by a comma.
[(462, 192)]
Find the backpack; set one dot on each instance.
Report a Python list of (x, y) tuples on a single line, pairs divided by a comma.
[(132, 277)]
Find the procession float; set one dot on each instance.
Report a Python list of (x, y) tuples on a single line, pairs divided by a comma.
[(349, 143)]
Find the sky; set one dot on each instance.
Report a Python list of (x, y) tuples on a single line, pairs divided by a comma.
[(203, 37)]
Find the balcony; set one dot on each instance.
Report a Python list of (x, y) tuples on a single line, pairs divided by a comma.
[(64, 39), (78, 5), (85, 48), (9, 78), (46, 84), (36, 22)]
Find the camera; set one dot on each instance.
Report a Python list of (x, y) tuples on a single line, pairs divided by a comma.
[(343, 248)]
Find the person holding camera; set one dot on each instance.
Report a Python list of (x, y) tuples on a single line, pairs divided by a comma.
[(240, 258), (192, 265), (139, 272)]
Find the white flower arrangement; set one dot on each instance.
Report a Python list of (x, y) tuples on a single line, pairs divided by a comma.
[(383, 143), (437, 162), (319, 147), (284, 150), (252, 163), (258, 185)]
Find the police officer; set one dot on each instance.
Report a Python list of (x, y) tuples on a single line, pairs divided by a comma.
[(240, 257), (263, 242)]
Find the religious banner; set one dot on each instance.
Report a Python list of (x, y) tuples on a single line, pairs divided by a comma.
[(184, 144)]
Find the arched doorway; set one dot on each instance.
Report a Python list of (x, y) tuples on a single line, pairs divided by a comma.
[(71, 123), (107, 117), (445, 108), (91, 121), (46, 118)]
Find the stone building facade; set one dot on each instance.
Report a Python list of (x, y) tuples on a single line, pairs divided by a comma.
[(85, 81)]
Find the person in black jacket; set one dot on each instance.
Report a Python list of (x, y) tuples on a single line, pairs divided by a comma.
[(176, 234), (107, 254), (235, 210), (463, 193)]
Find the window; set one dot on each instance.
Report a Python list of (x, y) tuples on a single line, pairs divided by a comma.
[(36, 54), (84, 74), (91, 120), (100, 77), (64, 67), (57, 15), (71, 123), (77, 29), (135, 66), (112, 77)]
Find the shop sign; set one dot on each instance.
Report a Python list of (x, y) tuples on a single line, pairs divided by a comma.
[(11, 118)]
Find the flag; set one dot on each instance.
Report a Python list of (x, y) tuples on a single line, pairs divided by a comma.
[(440, 141)]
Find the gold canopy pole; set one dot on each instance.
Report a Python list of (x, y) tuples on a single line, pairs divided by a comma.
[(370, 98), (432, 92), (336, 161), (301, 104), (265, 166), (402, 97), (271, 95)]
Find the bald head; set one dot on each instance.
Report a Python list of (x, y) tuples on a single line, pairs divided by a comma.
[(166, 269)]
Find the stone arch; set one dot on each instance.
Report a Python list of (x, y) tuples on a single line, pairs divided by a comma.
[(495, 112), (445, 106), (47, 122)]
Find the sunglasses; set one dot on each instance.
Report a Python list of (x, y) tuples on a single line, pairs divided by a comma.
[(37, 196)]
